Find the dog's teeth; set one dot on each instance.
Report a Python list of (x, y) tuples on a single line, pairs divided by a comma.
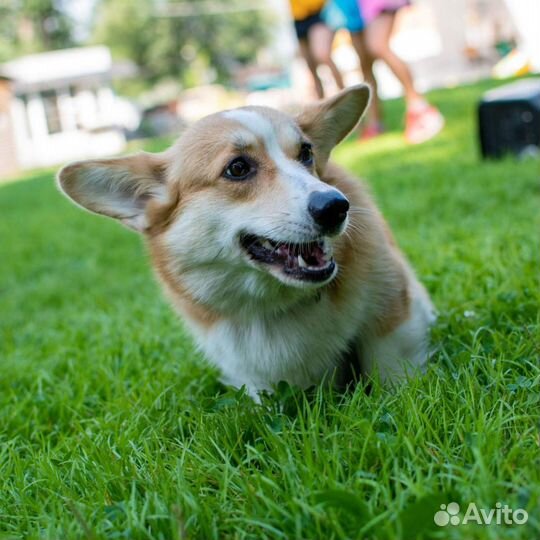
[(301, 262), (267, 245)]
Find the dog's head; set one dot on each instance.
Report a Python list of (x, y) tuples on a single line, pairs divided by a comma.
[(237, 205)]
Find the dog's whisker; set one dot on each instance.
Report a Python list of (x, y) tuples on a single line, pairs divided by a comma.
[(361, 211)]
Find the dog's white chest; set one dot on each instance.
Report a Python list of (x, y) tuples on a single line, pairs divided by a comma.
[(298, 348)]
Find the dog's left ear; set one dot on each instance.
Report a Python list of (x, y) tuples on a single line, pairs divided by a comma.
[(328, 122), (120, 188)]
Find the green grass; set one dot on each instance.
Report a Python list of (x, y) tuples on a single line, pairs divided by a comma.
[(111, 426)]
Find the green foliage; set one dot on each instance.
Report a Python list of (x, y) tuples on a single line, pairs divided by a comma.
[(184, 47), (28, 26), (112, 426)]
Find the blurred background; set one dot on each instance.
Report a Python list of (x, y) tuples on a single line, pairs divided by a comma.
[(81, 78)]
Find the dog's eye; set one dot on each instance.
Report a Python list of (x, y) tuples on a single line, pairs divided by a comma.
[(238, 169), (306, 154)]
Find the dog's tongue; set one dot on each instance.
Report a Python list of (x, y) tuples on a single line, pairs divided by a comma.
[(303, 255)]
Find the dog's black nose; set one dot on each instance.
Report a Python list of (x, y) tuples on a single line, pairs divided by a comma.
[(328, 209)]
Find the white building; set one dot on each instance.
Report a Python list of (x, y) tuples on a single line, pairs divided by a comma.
[(58, 106)]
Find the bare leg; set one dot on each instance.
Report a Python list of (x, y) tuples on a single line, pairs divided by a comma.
[(374, 113), (378, 35), (423, 121), (320, 39), (305, 51)]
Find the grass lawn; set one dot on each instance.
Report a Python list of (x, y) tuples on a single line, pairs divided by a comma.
[(111, 426)]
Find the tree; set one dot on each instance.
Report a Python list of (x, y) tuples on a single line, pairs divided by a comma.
[(181, 47), (28, 26)]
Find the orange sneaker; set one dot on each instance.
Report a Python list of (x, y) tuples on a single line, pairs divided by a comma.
[(423, 123), (371, 130)]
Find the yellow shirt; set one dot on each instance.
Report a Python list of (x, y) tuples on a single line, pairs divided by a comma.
[(302, 9)]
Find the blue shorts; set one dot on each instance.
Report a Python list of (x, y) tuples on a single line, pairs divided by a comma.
[(343, 14)]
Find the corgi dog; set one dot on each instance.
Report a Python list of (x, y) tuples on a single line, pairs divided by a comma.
[(279, 261)]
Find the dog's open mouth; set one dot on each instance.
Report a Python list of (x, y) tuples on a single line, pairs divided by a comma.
[(307, 261)]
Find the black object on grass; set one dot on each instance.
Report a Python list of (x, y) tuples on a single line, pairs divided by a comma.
[(509, 120)]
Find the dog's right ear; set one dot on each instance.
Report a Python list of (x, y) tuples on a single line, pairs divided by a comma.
[(329, 121), (120, 188)]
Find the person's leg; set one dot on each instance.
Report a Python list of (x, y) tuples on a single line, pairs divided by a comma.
[(320, 39), (305, 51), (378, 34), (374, 113), (422, 121)]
